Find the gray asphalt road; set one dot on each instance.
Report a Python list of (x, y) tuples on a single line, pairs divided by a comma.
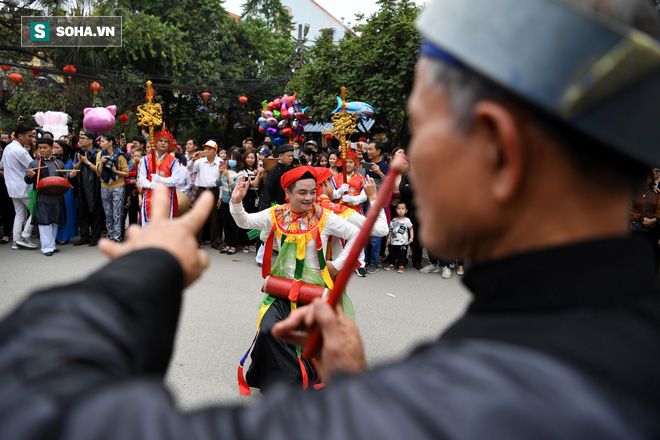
[(395, 313)]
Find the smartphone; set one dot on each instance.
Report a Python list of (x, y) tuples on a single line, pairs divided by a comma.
[(367, 165)]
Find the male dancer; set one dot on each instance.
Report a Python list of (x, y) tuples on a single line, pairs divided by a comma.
[(167, 170), (349, 193), (324, 192), (300, 229)]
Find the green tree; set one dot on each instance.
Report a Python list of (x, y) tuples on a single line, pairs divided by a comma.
[(376, 67)]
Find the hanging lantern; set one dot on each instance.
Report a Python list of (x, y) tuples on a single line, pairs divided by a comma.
[(243, 99), (35, 71), (5, 68), (205, 97), (16, 78), (69, 69), (124, 119), (96, 87), (226, 121)]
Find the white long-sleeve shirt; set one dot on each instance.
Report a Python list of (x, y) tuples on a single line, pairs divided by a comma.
[(334, 226), (177, 178), (16, 160), (207, 172), (380, 229)]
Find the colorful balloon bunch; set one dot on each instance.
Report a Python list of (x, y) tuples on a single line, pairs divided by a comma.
[(283, 117)]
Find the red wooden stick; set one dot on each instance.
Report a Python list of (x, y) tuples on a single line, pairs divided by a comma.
[(314, 342)]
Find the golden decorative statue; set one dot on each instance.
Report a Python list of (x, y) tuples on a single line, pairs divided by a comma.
[(343, 124)]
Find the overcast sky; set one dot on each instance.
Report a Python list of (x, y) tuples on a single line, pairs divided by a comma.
[(338, 8)]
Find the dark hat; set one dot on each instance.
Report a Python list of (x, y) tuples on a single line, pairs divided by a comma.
[(44, 140), (285, 148), (313, 143), (577, 66), (90, 134)]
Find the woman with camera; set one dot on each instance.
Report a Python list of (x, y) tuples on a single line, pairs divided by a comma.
[(112, 168)]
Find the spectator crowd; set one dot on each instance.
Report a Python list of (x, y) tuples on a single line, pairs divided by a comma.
[(105, 194)]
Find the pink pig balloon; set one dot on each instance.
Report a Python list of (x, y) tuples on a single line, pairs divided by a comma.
[(99, 119)]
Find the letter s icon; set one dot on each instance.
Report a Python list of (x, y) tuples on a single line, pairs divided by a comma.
[(40, 31)]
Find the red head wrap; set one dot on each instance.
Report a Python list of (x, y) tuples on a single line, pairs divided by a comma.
[(322, 174), (295, 174), (350, 154)]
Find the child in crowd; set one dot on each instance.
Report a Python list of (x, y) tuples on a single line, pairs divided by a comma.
[(400, 236)]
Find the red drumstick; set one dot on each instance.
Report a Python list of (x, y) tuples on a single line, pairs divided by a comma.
[(314, 342)]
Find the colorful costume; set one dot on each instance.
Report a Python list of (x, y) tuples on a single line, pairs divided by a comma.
[(169, 171), (302, 239), (380, 228), (354, 186)]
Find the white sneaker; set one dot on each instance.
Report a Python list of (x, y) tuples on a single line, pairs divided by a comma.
[(14, 245), (431, 268), (25, 242), (446, 272)]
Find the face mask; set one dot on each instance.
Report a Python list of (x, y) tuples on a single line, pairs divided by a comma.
[(232, 163)]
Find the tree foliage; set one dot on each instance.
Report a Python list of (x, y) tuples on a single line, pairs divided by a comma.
[(184, 47), (376, 67)]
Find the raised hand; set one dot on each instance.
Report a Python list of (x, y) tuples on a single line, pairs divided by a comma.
[(241, 188)]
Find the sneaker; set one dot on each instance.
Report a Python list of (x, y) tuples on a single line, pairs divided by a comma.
[(80, 242), (452, 265), (389, 267), (361, 272), (48, 254), (401, 269), (460, 271), (26, 242), (446, 272), (372, 268), (246, 250), (14, 245), (431, 268)]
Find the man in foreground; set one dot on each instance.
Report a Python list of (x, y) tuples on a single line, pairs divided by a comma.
[(542, 352)]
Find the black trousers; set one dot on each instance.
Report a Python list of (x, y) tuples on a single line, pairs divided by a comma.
[(273, 360), (398, 254), (229, 225), (6, 209), (213, 222), (91, 223)]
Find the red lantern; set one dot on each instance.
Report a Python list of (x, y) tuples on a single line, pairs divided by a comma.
[(96, 87), (226, 121), (123, 118), (243, 99), (206, 96), (69, 69), (5, 68), (329, 137), (16, 78), (35, 71)]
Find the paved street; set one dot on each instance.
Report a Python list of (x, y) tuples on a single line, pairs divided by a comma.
[(395, 312)]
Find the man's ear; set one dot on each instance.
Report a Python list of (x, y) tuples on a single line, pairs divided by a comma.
[(503, 140)]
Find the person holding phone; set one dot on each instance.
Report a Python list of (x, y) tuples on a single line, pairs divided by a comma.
[(204, 165)]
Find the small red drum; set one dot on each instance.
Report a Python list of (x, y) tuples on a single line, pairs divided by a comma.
[(53, 186), (280, 287), (184, 203)]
